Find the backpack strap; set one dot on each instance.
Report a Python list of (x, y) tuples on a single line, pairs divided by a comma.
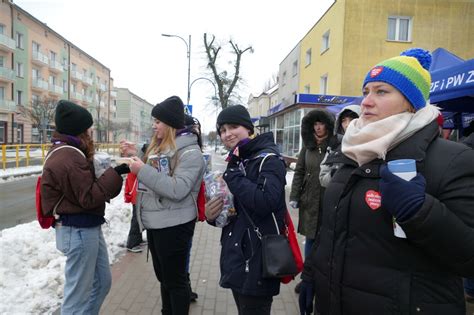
[(59, 148), (47, 156)]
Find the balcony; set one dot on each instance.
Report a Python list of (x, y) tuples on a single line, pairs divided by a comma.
[(76, 75), (40, 84), (6, 43), (86, 80), (7, 75), (76, 96), (55, 66), (103, 87), (113, 94), (39, 58), (55, 89), (6, 105)]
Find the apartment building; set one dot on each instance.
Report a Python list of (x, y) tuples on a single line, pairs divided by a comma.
[(329, 63), (133, 117), (38, 66), (258, 107)]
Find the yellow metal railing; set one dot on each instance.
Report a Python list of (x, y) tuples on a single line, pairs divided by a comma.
[(16, 155)]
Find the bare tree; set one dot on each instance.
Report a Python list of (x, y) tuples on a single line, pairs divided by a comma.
[(119, 128), (226, 83), (40, 113), (271, 82), (212, 136), (100, 124)]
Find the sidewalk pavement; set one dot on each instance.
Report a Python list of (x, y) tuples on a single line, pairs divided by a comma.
[(135, 289)]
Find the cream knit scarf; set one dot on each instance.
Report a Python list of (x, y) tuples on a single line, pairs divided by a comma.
[(366, 143)]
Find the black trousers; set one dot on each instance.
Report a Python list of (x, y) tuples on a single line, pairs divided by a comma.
[(134, 235), (253, 305), (169, 250)]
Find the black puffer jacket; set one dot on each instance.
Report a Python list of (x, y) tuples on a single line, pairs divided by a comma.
[(306, 188), (261, 193), (360, 267)]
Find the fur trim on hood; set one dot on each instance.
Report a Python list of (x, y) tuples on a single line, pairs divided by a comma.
[(307, 129)]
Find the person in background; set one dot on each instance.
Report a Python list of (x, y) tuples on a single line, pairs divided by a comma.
[(135, 238), (169, 178), (194, 126), (260, 194), (328, 168), (69, 184), (362, 264), (317, 132)]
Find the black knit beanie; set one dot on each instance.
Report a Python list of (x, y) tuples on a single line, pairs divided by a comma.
[(236, 115), (170, 111), (72, 119)]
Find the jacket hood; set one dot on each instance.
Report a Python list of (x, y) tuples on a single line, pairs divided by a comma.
[(261, 143), (350, 108), (307, 130)]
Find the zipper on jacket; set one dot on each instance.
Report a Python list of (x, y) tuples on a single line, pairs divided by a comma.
[(247, 261)]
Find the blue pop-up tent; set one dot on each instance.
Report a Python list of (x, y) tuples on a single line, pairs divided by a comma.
[(452, 82)]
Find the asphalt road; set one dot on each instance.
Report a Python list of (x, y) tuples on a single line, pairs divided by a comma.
[(17, 202)]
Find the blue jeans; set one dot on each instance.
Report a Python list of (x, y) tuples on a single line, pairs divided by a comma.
[(87, 271), (469, 286), (307, 246)]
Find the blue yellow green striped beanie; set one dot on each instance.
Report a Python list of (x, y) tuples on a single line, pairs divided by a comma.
[(408, 73)]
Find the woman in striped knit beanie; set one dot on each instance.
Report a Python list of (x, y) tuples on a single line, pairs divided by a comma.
[(361, 263)]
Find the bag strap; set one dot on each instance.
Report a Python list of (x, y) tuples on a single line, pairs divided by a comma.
[(46, 158)]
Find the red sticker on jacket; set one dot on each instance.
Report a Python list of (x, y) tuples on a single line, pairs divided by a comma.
[(373, 199), (376, 71)]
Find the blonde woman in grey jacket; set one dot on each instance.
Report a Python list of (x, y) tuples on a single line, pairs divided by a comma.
[(169, 177)]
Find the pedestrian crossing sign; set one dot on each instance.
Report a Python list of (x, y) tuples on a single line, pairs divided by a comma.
[(188, 109)]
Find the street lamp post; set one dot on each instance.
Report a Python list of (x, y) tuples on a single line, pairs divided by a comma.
[(188, 51), (214, 99)]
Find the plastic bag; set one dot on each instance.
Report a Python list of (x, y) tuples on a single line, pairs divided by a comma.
[(216, 187), (102, 162)]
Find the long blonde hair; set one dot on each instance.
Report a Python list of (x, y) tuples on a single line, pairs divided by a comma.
[(167, 143)]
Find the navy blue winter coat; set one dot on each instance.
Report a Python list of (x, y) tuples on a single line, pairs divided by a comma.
[(260, 194), (360, 267)]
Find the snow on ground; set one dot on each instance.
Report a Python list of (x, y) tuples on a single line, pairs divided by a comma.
[(32, 270), (8, 174)]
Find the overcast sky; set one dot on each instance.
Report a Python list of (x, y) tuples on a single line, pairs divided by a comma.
[(126, 37)]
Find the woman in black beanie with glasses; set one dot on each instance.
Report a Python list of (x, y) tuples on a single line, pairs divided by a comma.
[(255, 175)]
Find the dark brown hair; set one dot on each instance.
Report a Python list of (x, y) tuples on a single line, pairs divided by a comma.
[(87, 145)]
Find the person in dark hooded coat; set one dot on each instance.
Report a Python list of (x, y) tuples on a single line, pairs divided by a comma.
[(317, 131)]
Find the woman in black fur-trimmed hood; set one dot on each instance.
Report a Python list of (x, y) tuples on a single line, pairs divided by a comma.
[(306, 191)]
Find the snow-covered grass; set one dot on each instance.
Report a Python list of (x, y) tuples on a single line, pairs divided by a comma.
[(13, 173), (32, 270)]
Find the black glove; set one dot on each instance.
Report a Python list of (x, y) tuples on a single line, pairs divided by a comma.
[(306, 297), (122, 169), (401, 198)]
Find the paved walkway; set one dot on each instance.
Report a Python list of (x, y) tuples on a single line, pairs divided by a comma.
[(135, 289)]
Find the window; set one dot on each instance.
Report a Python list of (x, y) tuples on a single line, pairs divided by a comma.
[(307, 89), (52, 80), (308, 57), (65, 86), (73, 67), (2, 29), (323, 87), (19, 133), (65, 64), (295, 68), (52, 56), (35, 73), (283, 78), (19, 97), (325, 42), (35, 99), (2, 61), (3, 131), (2, 93), (35, 46), (19, 40), (399, 28), (20, 70)]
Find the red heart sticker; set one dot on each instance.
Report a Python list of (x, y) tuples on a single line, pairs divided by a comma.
[(373, 199), (376, 71)]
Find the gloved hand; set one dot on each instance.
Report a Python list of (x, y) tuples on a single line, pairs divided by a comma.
[(122, 169), (293, 204), (401, 198), (306, 297), (214, 208)]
